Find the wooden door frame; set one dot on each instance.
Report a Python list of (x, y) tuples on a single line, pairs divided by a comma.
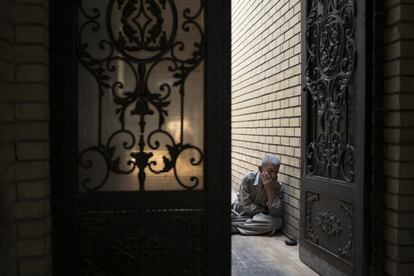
[(63, 130)]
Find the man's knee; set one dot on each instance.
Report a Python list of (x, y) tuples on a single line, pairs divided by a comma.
[(271, 221)]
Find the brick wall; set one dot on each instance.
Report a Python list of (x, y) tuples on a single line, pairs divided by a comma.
[(8, 223), (399, 137), (266, 93), (24, 140)]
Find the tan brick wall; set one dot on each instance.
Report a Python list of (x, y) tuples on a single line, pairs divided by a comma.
[(399, 137), (24, 141), (266, 93)]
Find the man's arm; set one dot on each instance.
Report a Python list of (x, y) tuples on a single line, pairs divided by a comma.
[(245, 200), (273, 201)]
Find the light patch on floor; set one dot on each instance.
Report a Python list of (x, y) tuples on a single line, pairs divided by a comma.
[(265, 255)]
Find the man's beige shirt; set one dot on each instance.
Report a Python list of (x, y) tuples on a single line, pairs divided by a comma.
[(252, 197)]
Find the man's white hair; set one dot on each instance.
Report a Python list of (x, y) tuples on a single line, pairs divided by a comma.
[(271, 158)]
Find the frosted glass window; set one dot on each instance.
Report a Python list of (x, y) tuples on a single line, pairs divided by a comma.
[(140, 95)]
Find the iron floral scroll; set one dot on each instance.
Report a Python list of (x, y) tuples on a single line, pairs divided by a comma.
[(137, 39), (330, 63)]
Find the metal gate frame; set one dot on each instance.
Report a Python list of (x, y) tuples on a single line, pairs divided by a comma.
[(215, 199)]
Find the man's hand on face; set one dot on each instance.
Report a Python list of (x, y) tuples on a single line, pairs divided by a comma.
[(268, 175), (267, 180)]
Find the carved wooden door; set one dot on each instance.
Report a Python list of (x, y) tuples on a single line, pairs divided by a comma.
[(333, 129), (140, 124)]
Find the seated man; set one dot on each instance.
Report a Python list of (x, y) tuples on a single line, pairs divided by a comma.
[(258, 207)]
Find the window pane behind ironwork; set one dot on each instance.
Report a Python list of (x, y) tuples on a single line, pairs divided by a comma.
[(140, 95)]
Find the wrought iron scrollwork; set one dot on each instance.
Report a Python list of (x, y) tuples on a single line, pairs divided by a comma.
[(330, 63), (134, 38)]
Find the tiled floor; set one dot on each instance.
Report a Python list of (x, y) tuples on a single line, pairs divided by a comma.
[(264, 255)]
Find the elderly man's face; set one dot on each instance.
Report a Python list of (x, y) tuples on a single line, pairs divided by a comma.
[(271, 170)]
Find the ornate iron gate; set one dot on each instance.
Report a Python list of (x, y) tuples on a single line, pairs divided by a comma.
[(142, 146), (333, 129)]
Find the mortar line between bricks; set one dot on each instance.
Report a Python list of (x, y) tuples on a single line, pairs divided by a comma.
[(400, 58), (264, 143), (45, 217), (30, 82), (264, 119), (282, 155), (30, 24), (387, 43), (264, 103), (397, 23), (400, 162), (33, 180), (43, 5), (32, 44), (387, 94), (387, 77), (34, 140), (398, 211), (285, 88), (8, 61), (387, 8), (394, 260), (28, 160), (32, 64), (34, 238), (262, 152), (40, 199), (396, 127), (399, 228), (40, 160), (36, 256), (401, 40), (394, 178)]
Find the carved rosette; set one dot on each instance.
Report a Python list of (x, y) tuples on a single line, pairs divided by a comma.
[(329, 223), (330, 63)]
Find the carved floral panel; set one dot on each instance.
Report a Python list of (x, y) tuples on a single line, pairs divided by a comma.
[(329, 223)]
